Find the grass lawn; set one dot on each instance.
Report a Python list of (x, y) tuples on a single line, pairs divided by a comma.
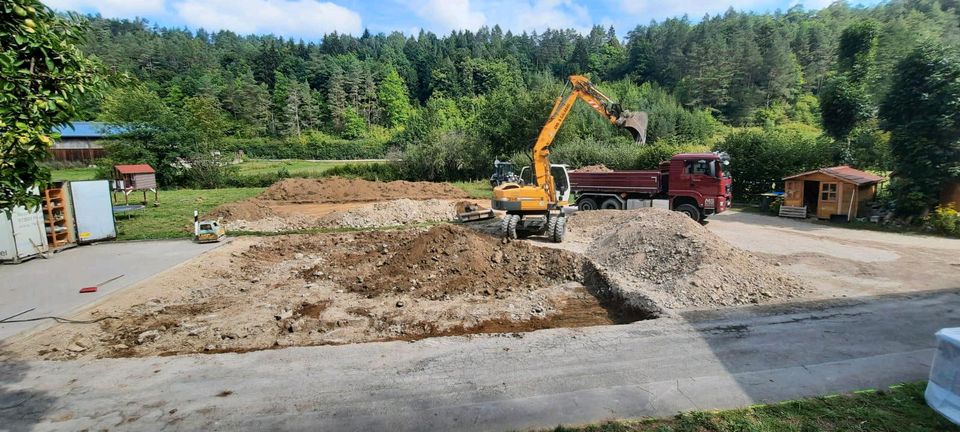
[(294, 167), (899, 408), (73, 174), (174, 217), (479, 189), (247, 168)]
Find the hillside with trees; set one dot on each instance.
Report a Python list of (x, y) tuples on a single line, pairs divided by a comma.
[(795, 89)]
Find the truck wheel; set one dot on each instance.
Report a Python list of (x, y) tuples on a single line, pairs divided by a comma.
[(690, 210), (587, 204), (559, 229), (611, 204), (508, 226)]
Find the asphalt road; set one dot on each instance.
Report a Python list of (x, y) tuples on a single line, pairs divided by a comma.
[(704, 360)]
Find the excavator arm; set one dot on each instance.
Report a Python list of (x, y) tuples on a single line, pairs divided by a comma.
[(581, 88)]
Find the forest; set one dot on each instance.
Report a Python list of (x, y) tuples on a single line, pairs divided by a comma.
[(781, 92)]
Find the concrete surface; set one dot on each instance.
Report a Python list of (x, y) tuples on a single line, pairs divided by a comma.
[(699, 360), (52, 285)]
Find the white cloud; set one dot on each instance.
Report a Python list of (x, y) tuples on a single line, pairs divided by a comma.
[(297, 18), (111, 8), (695, 9), (516, 15), (446, 15)]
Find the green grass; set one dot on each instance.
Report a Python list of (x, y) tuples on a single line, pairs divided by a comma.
[(174, 216), (73, 174), (247, 168), (294, 167), (899, 408), (479, 189)]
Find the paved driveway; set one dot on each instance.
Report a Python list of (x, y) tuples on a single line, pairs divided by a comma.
[(52, 285)]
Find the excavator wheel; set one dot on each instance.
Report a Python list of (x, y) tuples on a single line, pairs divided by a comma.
[(559, 230), (508, 226), (551, 226)]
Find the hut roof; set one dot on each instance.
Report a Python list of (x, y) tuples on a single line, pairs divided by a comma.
[(844, 173), (134, 169)]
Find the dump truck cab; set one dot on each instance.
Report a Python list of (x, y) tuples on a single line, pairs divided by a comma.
[(698, 184)]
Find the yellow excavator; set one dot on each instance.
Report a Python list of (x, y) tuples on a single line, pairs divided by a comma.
[(537, 208)]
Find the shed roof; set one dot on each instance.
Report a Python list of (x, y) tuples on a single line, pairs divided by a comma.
[(134, 169), (844, 173)]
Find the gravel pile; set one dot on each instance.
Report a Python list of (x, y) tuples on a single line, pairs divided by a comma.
[(676, 263), (392, 213)]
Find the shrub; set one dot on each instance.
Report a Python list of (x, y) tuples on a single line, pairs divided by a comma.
[(619, 154), (761, 156), (945, 219), (447, 156)]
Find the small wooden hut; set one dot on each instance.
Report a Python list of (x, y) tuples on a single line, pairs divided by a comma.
[(829, 192), (139, 177)]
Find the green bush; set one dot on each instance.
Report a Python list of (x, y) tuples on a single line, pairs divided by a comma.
[(447, 156), (387, 171), (945, 219), (762, 156)]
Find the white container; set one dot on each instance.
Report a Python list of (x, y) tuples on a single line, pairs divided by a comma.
[(943, 389), (22, 234)]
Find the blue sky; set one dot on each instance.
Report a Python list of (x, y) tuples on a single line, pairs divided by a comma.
[(310, 19)]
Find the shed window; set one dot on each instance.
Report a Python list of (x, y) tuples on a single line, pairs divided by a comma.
[(828, 192)]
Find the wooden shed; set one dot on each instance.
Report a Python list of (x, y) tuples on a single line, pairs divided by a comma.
[(829, 192), (129, 178)]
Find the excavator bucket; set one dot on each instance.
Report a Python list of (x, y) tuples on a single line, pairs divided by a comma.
[(636, 124), (470, 212)]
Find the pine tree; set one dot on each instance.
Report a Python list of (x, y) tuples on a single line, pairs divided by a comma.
[(394, 99), (336, 98)]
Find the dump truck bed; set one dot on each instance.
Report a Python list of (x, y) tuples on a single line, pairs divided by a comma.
[(630, 182)]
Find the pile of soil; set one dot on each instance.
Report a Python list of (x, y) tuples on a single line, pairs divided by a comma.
[(594, 169), (256, 215), (392, 213), (446, 260), (337, 189), (675, 262)]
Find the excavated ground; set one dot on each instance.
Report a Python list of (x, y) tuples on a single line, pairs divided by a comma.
[(262, 293), (615, 267)]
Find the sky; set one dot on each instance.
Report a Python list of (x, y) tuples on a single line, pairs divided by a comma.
[(311, 19)]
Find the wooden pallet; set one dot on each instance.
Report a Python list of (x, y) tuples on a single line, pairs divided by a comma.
[(793, 212)]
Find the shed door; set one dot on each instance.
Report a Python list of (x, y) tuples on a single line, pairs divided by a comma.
[(829, 194), (93, 210)]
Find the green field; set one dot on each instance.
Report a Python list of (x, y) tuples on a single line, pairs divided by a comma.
[(173, 218), (247, 168), (899, 408), (294, 167)]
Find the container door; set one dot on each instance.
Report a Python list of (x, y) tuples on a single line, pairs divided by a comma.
[(93, 210)]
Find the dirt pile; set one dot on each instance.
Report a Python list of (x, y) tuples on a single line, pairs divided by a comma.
[(447, 260), (391, 213), (256, 215), (337, 189), (675, 262), (594, 169)]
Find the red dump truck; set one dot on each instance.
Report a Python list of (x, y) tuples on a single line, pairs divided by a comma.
[(697, 184)]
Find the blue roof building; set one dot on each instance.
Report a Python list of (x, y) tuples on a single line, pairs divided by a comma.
[(79, 141)]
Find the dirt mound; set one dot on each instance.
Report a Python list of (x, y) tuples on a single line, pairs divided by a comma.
[(392, 213), (243, 210), (337, 189), (594, 169), (447, 260), (677, 263)]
